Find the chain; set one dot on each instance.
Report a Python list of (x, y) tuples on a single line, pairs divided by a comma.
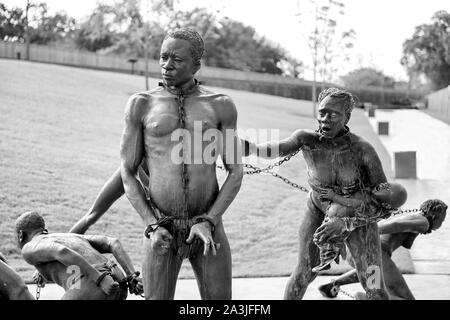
[(38, 291), (184, 173), (345, 293), (270, 167), (256, 170), (400, 211), (276, 175)]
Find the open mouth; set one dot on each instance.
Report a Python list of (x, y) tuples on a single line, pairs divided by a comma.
[(325, 129)]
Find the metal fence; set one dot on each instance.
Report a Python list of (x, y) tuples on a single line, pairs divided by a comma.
[(51, 54), (233, 79)]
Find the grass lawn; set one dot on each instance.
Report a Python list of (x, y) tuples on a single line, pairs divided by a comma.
[(61, 128)]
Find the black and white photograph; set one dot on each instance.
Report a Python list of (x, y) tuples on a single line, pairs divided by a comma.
[(240, 151)]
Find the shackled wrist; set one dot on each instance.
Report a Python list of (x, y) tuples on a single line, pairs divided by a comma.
[(101, 278), (151, 228), (205, 218), (131, 277)]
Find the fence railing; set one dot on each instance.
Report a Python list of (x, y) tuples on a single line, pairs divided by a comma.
[(234, 79)]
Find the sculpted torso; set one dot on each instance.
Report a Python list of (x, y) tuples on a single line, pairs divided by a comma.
[(331, 163), (166, 147), (56, 271)]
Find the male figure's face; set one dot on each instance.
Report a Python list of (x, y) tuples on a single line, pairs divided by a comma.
[(438, 218), (332, 117), (177, 64)]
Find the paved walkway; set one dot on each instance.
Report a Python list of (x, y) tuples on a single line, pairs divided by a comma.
[(414, 130), (424, 287)]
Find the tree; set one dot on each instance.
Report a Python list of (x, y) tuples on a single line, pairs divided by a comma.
[(428, 51), (367, 77), (12, 24), (98, 32), (34, 25), (322, 38), (45, 28), (232, 44)]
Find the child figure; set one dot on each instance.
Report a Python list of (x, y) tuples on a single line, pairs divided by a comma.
[(355, 211)]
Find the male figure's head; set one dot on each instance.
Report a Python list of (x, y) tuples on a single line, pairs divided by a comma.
[(333, 114), (435, 210), (27, 226), (180, 58), (391, 193)]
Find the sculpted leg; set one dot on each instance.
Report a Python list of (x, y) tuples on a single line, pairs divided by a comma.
[(331, 289), (159, 273), (308, 257), (395, 283), (213, 273), (364, 246)]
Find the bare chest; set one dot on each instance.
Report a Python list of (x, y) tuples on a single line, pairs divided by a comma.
[(333, 164), (168, 114)]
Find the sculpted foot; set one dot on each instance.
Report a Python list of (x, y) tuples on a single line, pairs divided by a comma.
[(329, 290)]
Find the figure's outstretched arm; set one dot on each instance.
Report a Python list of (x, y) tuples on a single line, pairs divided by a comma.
[(275, 149), (105, 244), (110, 193), (372, 166), (404, 223)]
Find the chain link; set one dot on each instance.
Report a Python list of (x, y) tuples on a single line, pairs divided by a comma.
[(184, 173), (256, 170), (38, 291), (400, 211), (345, 293), (270, 167)]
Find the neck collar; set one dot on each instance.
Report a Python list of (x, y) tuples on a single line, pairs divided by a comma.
[(342, 135), (184, 91)]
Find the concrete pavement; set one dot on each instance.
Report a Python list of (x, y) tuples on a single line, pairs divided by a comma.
[(429, 137), (424, 287)]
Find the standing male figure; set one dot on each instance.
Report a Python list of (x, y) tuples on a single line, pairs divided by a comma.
[(343, 162), (184, 206)]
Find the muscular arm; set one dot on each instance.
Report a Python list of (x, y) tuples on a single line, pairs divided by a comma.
[(47, 251), (110, 192), (405, 223), (372, 168), (233, 164), (132, 153), (275, 149), (105, 244)]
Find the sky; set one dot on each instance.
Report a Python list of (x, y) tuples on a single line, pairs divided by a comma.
[(381, 26)]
